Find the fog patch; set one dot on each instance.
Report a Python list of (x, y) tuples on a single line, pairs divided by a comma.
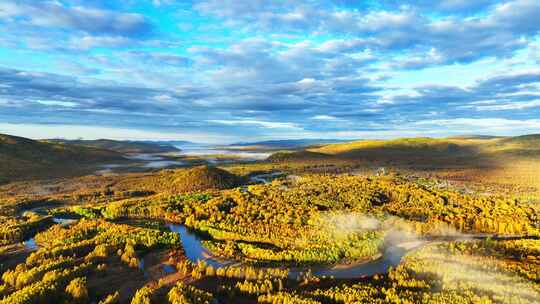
[(457, 272), (347, 222), (431, 253)]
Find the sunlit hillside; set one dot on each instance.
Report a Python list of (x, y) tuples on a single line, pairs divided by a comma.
[(526, 146), (488, 164), (508, 162)]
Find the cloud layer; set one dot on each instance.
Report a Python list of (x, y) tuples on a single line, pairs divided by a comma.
[(273, 69)]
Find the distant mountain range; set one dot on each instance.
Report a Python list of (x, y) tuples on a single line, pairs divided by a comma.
[(289, 143), (170, 142)]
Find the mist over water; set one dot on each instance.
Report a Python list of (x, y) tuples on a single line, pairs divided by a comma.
[(453, 269), (208, 150), (456, 271)]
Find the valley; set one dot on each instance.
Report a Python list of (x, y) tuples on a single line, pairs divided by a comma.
[(269, 152), (453, 220)]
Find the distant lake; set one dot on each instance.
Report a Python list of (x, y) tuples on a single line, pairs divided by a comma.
[(203, 150), (210, 154)]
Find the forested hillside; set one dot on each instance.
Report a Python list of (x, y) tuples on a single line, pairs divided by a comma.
[(22, 158), (119, 145)]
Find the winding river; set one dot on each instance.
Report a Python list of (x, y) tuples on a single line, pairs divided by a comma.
[(391, 256), (195, 251)]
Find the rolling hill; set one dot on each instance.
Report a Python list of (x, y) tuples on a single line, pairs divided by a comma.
[(524, 142), (421, 145), (422, 152), (198, 178), (485, 162), (22, 158), (120, 146), (170, 181), (443, 147), (297, 155), (286, 143)]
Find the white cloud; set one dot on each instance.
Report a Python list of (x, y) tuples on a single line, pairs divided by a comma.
[(486, 125), (50, 14), (163, 98), (510, 106), (264, 124), (323, 117), (90, 42), (67, 104), (162, 2), (283, 66)]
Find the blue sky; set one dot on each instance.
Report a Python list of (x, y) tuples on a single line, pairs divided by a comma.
[(225, 71)]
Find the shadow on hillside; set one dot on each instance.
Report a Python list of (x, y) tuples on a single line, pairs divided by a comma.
[(397, 157)]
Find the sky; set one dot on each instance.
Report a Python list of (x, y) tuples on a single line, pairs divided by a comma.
[(222, 71)]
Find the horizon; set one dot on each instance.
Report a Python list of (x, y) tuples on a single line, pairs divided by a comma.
[(388, 138), (221, 72)]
